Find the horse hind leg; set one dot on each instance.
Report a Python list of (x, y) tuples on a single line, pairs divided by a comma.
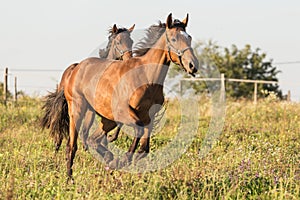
[(87, 124), (76, 112), (98, 140)]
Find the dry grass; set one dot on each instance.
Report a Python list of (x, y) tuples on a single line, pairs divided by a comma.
[(256, 157)]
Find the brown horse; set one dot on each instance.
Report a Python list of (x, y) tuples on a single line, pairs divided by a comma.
[(125, 92), (119, 47)]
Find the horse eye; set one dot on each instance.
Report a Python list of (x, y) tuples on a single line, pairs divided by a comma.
[(173, 40), (118, 43)]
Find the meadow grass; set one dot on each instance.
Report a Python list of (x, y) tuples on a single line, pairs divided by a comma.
[(256, 157)]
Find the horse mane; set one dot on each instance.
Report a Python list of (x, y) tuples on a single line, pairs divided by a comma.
[(103, 53), (153, 33)]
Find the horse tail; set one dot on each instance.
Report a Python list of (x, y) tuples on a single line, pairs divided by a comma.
[(56, 117)]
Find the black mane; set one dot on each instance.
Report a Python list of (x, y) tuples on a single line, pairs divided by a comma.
[(153, 33)]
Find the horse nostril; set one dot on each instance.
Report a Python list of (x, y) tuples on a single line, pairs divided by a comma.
[(193, 68)]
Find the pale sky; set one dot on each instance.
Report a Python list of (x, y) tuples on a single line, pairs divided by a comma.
[(37, 34)]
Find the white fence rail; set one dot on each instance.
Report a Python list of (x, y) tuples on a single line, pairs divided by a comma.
[(222, 79)]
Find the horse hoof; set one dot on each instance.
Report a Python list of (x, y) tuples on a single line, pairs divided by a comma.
[(140, 156), (114, 164), (70, 180), (126, 160), (110, 139)]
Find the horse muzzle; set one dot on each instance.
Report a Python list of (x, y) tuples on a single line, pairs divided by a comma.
[(193, 68)]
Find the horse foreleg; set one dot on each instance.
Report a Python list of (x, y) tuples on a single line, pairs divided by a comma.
[(132, 119), (115, 136), (145, 140), (144, 143), (127, 158)]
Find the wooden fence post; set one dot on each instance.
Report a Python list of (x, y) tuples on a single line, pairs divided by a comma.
[(255, 93), (222, 94), (288, 98), (5, 90), (16, 91), (180, 88)]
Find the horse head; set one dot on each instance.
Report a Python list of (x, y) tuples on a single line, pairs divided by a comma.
[(178, 45)]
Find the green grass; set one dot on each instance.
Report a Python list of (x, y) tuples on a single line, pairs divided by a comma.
[(256, 157)]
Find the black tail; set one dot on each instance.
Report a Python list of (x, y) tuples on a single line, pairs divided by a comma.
[(56, 117)]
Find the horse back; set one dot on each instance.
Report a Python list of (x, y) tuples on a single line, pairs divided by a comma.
[(84, 78)]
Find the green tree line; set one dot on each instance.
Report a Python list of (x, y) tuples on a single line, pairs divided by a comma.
[(244, 63)]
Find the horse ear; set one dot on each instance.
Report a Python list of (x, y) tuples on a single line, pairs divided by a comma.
[(131, 28), (185, 21), (115, 29), (169, 21)]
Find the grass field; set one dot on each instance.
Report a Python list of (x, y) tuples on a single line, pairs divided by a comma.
[(257, 156)]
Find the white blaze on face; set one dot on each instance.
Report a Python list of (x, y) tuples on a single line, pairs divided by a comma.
[(184, 34)]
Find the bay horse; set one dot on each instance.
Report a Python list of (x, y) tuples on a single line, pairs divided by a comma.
[(125, 92), (119, 47)]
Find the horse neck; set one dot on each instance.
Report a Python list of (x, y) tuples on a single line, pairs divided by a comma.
[(156, 62)]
